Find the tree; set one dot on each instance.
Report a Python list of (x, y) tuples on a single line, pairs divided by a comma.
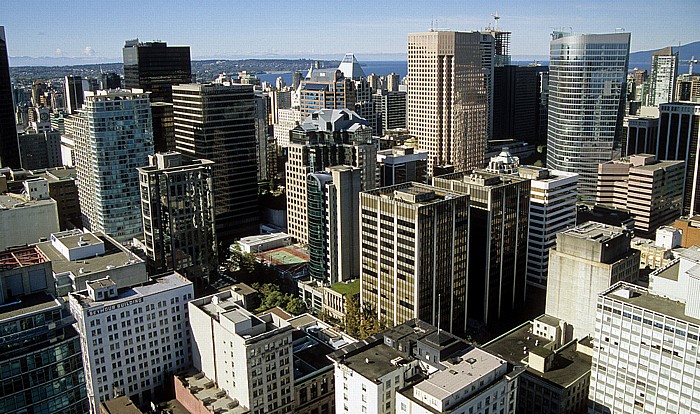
[(271, 296), (361, 322)]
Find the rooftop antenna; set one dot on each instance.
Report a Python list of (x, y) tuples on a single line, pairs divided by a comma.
[(439, 303), (496, 18)]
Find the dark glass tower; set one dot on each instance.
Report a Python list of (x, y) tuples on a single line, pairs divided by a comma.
[(217, 123), (9, 148), (155, 67)]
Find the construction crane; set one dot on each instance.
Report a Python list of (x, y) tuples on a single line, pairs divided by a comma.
[(691, 61)]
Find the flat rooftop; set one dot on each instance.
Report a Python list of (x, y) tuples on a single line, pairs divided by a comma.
[(288, 255), (309, 356), (115, 255), (28, 304), (594, 231), (344, 288), (12, 201), (214, 398), (119, 405), (471, 367), (155, 285), (568, 364), (373, 360), (642, 298), (415, 193), (25, 256)]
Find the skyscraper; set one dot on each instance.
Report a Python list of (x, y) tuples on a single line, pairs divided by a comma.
[(515, 102), (679, 132), (552, 210), (326, 89), (326, 138), (588, 259), (499, 205), (177, 202), (447, 103), (587, 86), (414, 241), (40, 347), (217, 122), (334, 246), (664, 71), (73, 87), (645, 358), (112, 137), (156, 67), (9, 147)]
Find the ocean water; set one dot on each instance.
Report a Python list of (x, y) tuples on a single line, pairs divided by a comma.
[(381, 68)]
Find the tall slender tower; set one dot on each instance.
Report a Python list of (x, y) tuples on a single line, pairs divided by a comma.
[(9, 147), (447, 105), (587, 85), (155, 67), (217, 122), (113, 137), (664, 71)]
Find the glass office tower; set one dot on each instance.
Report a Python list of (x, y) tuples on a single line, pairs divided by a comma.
[(587, 85)]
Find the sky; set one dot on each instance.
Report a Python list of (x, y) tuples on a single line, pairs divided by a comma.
[(373, 30)]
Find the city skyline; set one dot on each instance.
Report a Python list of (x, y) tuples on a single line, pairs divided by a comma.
[(379, 29)]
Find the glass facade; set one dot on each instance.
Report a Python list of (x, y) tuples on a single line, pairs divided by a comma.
[(587, 86), (115, 138), (41, 369), (9, 147)]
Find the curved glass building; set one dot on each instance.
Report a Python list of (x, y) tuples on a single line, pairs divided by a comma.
[(587, 84)]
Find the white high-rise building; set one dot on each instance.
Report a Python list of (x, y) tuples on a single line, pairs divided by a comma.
[(587, 87), (646, 343), (248, 356), (134, 338), (662, 79), (287, 119), (113, 137), (552, 210)]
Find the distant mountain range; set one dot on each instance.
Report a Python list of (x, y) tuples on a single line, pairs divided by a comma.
[(22, 66), (642, 59)]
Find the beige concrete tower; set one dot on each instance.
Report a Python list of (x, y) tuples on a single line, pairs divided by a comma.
[(447, 100)]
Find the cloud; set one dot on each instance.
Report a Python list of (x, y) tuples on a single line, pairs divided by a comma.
[(89, 51), (59, 52)]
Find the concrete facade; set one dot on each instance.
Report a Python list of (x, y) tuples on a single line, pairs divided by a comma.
[(587, 260)]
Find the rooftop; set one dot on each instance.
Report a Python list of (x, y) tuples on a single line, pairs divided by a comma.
[(414, 193), (568, 364), (154, 286), (115, 256), (213, 398), (594, 231), (373, 361), (24, 256), (468, 369), (28, 304), (642, 298), (119, 405), (352, 287), (10, 201)]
